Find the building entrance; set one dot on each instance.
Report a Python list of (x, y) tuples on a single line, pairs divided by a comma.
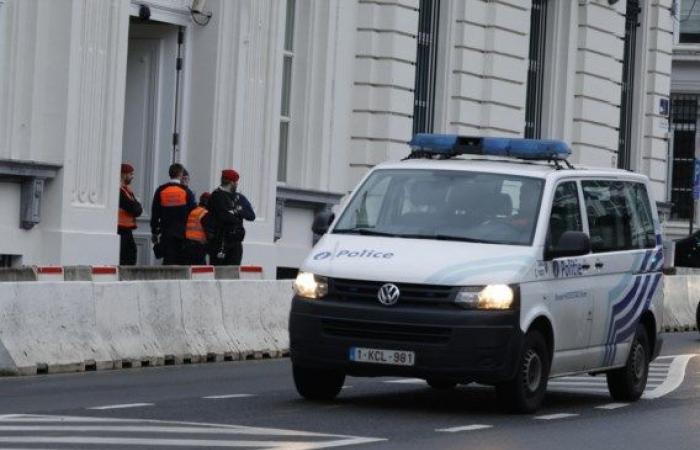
[(151, 114)]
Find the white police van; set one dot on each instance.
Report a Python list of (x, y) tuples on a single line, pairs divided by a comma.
[(483, 260)]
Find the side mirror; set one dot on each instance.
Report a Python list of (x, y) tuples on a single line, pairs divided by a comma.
[(322, 222), (571, 243)]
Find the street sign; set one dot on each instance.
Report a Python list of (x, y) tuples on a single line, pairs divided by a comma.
[(696, 180)]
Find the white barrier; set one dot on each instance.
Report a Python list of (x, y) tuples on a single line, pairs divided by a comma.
[(681, 297), (81, 325)]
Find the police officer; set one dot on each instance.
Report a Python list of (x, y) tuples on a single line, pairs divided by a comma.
[(129, 210), (172, 203), (195, 235), (227, 210)]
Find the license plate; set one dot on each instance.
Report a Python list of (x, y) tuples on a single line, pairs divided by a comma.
[(377, 356)]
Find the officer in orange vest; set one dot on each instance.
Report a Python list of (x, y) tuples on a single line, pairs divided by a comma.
[(172, 203), (129, 210), (195, 247)]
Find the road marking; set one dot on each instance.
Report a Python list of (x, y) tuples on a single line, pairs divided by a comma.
[(473, 427), (406, 381), (676, 374), (122, 406), (217, 397), (610, 406), (67, 430), (555, 416), (347, 387)]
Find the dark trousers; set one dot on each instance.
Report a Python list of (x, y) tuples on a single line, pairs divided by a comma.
[(127, 248), (173, 252), (195, 253), (233, 254)]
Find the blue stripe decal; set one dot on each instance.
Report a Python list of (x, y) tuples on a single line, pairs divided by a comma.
[(629, 329), (642, 268), (616, 309)]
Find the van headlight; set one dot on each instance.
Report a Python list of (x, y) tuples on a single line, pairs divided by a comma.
[(308, 285), (493, 296)]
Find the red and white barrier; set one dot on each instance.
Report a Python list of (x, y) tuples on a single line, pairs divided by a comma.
[(49, 273), (105, 273), (250, 272), (202, 273)]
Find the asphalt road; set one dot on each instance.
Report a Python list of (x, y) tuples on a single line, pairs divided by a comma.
[(253, 404)]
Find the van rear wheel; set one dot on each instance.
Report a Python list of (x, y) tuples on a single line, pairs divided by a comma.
[(524, 394), (628, 383), (317, 384)]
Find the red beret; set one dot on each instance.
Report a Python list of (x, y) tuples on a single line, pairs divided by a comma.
[(127, 168), (230, 175), (204, 197)]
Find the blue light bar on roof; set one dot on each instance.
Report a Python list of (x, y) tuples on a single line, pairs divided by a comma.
[(448, 145)]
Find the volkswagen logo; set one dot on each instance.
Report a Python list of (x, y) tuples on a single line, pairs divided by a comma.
[(389, 294)]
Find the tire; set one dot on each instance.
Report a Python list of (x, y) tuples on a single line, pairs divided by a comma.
[(524, 393), (441, 384), (628, 383), (317, 384)]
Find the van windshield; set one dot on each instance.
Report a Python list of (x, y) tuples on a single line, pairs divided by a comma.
[(445, 205)]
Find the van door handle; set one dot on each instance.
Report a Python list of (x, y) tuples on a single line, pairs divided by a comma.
[(599, 265), (585, 266)]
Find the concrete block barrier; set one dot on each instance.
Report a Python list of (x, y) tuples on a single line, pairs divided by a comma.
[(204, 323), (131, 341), (681, 297), (50, 327), (160, 307)]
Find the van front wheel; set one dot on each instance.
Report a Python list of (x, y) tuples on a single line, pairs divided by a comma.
[(524, 394), (628, 383), (317, 384)]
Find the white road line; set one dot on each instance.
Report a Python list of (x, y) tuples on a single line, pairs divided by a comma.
[(96, 440), (406, 381), (610, 406), (347, 387), (217, 397), (123, 406), (555, 416), (473, 427), (676, 373)]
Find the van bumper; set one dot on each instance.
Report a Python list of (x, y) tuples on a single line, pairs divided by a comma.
[(449, 343)]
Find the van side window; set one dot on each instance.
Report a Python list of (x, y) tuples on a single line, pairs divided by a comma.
[(566, 212), (610, 216), (643, 233)]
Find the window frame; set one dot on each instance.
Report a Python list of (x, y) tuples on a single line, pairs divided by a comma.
[(536, 70), (585, 211), (288, 53), (581, 209)]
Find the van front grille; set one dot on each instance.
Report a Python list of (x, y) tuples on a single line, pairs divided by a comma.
[(359, 290), (386, 332)]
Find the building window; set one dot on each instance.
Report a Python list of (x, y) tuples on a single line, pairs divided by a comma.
[(624, 145), (684, 120), (426, 62), (689, 22), (535, 71), (285, 112)]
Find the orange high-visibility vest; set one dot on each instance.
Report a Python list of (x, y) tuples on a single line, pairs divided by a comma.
[(173, 196), (126, 220), (194, 230)]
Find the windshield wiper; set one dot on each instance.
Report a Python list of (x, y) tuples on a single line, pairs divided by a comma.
[(448, 237), (363, 231)]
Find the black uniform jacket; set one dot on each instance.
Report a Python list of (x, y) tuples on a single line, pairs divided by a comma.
[(172, 203), (226, 214)]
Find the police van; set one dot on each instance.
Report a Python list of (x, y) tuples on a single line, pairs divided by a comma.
[(484, 260)]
